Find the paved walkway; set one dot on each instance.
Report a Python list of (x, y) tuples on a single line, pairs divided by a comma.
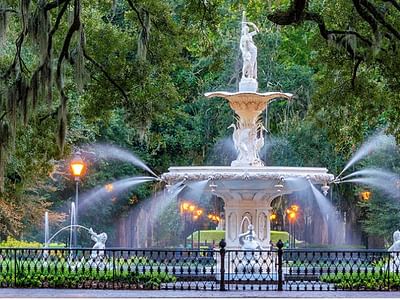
[(69, 293)]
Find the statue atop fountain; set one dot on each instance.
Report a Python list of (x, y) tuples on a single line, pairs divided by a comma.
[(247, 103), (249, 57)]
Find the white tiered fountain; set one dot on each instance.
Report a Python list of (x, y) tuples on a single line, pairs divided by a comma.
[(247, 186)]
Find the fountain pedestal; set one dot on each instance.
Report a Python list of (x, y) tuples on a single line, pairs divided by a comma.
[(239, 205), (248, 192), (247, 187)]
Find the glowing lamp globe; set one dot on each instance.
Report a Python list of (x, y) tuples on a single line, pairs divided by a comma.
[(77, 166)]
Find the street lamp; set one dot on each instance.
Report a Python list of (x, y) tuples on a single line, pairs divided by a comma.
[(77, 166), (292, 215), (273, 218), (365, 195), (185, 208)]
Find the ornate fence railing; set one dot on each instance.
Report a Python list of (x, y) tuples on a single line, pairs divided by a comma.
[(221, 269)]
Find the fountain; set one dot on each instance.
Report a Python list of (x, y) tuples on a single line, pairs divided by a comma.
[(99, 239), (248, 186)]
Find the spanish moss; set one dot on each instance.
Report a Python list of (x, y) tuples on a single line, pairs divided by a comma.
[(79, 63), (144, 36), (3, 25), (39, 29)]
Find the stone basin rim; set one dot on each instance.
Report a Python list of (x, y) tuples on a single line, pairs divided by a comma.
[(269, 169), (244, 93), (317, 175)]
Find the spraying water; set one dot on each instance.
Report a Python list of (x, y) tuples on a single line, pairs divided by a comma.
[(114, 152), (383, 180), (195, 189), (46, 228), (377, 142), (389, 188), (113, 188), (327, 209), (377, 173), (223, 152), (323, 203), (65, 228), (146, 214), (72, 224), (296, 183)]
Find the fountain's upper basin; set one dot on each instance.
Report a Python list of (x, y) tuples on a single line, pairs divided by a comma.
[(251, 178)]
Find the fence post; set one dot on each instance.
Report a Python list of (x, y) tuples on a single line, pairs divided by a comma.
[(388, 271), (15, 267), (113, 266), (279, 244), (222, 251)]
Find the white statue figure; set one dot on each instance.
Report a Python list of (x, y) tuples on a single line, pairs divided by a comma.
[(395, 248), (248, 240), (100, 240), (251, 259), (247, 144), (249, 50)]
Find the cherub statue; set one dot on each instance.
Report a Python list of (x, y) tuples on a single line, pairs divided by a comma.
[(100, 240), (396, 241), (395, 248)]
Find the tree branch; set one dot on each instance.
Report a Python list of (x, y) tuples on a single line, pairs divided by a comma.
[(380, 18), (355, 69), (137, 13), (297, 13), (103, 70), (394, 3), (54, 4), (366, 15), (64, 51), (4, 114), (9, 10), (56, 25)]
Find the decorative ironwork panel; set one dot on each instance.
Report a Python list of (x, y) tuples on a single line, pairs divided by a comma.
[(336, 270), (108, 269), (251, 270)]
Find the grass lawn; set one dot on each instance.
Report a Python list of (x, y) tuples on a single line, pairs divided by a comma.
[(217, 235)]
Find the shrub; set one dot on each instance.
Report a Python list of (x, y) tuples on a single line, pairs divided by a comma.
[(87, 279), (14, 243), (363, 281)]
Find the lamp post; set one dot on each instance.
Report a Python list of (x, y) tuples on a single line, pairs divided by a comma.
[(272, 219), (196, 216), (184, 210), (77, 168), (292, 215)]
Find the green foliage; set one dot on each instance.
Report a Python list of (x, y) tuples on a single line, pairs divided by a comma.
[(379, 280), (13, 243), (146, 95), (218, 235), (86, 279)]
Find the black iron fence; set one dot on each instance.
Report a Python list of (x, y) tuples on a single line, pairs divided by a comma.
[(221, 269)]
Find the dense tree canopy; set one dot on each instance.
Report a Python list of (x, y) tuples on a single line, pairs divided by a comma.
[(133, 73)]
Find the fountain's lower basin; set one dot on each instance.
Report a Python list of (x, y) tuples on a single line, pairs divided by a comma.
[(249, 177), (249, 191)]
